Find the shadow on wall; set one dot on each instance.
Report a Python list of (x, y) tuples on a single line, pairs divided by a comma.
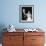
[(2, 26)]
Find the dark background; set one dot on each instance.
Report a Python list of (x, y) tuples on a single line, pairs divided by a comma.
[(26, 11)]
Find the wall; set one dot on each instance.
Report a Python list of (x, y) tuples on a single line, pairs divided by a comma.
[(9, 13)]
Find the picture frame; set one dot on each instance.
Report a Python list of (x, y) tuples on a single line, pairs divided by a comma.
[(26, 13)]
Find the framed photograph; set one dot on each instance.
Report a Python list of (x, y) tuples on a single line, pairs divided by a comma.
[(26, 13)]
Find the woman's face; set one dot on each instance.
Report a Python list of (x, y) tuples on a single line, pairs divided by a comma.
[(29, 12)]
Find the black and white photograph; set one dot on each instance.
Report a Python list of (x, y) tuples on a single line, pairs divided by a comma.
[(26, 13)]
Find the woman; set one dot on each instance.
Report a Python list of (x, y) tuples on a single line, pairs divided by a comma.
[(28, 14)]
